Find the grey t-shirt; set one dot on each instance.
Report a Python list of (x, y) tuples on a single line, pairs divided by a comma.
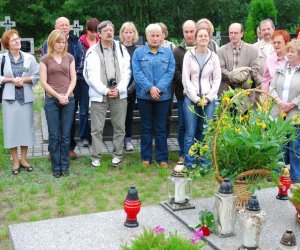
[(201, 59)]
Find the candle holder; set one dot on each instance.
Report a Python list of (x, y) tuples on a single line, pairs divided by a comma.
[(132, 206), (179, 189)]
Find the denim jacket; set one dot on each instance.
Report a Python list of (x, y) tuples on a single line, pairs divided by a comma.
[(153, 70)]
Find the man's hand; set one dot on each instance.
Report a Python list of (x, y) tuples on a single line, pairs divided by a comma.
[(113, 93), (155, 93), (286, 106)]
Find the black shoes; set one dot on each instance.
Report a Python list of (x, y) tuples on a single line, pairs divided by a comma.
[(58, 174)]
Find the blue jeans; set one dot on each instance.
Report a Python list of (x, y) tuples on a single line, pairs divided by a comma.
[(83, 97), (154, 120), (59, 119), (292, 156), (129, 117), (194, 128), (181, 127)]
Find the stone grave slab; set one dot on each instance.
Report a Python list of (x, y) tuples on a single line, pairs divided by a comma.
[(280, 216), (94, 231)]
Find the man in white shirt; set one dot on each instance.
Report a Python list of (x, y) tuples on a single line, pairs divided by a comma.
[(265, 46)]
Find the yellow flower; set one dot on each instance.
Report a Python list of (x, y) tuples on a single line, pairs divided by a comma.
[(296, 119), (244, 117), (247, 92), (283, 115), (261, 124), (226, 99), (237, 129)]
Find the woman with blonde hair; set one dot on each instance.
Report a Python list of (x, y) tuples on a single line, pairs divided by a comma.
[(129, 37), (58, 78), (20, 72), (206, 24), (164, 35), (285, 88)]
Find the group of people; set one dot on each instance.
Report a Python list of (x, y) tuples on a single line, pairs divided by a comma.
[(98, 73)]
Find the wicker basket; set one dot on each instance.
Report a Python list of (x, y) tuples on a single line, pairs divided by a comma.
[(245, 179)]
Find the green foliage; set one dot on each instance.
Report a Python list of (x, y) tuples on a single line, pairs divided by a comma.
[(149, 240), (206, 218), (248, 137), (295, 198), (288, 16), (258, 11)]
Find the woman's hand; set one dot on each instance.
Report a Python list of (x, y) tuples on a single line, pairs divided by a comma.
[(63, 99), (155, 93), (19, 82)]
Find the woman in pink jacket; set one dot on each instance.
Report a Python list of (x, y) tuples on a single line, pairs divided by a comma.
[(201, 77)]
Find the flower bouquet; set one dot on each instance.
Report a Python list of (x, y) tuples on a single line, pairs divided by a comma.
[(245, 140)]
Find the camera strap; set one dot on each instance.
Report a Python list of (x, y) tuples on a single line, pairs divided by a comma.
[(114, 57)]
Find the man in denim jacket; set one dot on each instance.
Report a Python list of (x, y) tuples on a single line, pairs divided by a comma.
[(153, 70)]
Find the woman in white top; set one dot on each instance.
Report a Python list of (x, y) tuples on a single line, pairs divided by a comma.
[(201, 77), (285, 88)]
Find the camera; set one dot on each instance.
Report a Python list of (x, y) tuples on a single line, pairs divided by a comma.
[(111, 83)]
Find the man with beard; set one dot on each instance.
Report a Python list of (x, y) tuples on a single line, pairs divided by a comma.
[(107, 72), (265, 46)]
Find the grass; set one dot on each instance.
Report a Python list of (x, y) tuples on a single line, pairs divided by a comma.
[(39, 196)]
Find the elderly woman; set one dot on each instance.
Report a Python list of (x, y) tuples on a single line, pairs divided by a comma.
[(201, 78), (285, 88), (164, 35), (129, 36), (58, 78), (206, 24), (153, 69), (280, 38), (20, 73)]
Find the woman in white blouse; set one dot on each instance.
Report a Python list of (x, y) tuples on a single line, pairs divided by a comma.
[(285, 88)]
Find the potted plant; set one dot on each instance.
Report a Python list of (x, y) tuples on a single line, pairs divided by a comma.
[(244, 141), (206, 222), (295, 199), (157, 239)]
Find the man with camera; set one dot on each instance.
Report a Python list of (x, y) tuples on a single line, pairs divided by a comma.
[(107, 72)]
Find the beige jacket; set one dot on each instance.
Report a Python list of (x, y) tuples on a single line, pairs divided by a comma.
[(248, 58), (294, 91), (264, 50)]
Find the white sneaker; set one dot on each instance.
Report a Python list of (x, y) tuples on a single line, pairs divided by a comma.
[(115, 161), (129, 146), (95, 164)]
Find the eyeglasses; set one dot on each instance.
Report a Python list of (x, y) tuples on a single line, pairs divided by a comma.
[(15, 40), (106, 31)]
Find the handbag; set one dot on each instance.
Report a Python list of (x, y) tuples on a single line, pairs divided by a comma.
[(2, 84)]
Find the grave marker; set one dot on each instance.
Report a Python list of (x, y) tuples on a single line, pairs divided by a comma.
[(7, 23), (76, 28)]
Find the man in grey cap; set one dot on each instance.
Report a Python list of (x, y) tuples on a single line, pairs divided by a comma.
[(107, 72)]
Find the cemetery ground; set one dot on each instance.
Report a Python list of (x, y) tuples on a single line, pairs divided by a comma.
[(38, 195)]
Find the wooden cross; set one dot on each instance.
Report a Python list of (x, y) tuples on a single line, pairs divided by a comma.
[(76, 28), (7, 23)]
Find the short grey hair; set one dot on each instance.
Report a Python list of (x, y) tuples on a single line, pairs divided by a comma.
[(268, 20), (153, 27), (104, 24)]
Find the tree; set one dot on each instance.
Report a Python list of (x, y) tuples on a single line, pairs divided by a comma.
[(258, 11)]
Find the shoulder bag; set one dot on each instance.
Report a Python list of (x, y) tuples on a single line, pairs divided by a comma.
[(2, 84)]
